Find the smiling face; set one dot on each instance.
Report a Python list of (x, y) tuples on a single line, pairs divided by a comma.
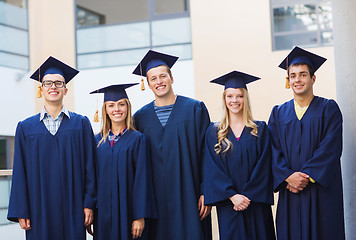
[(160, 81), (300, 80), (54, 94), (117, 111), (234, 100)]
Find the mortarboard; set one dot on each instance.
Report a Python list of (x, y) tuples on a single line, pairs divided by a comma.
[(54, 66), (153, 59), (235, 79), (299, 55), (112, 93)]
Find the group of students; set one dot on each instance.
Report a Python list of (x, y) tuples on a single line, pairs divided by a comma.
[(156, 174)]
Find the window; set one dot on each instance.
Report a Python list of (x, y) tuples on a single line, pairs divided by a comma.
[(87, 18), (6, 156), (305, 23), (14, 51), (117, 33)]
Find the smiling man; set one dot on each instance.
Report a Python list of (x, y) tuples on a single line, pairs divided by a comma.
[(306, 135), (175, 126), (53, 184)]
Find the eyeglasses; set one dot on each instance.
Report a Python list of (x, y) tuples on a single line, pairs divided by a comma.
[(49, 83)]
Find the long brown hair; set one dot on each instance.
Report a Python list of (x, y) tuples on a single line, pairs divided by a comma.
[(223, 143), (106, 121)]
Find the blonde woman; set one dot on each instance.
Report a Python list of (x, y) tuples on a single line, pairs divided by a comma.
[(125, 191), (237, 171)]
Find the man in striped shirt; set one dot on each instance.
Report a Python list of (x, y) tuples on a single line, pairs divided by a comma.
[(175, 126)]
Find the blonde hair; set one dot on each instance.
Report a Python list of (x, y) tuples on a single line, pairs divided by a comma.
[(223, 129), (106, 121)]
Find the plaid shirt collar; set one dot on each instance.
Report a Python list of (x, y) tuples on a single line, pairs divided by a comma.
[(44, 113), (114, 138)]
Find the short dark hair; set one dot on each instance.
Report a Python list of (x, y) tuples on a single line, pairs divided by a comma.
[(311, 70)]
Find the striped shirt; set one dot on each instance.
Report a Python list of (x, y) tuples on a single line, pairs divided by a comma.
[(52, 124), (114, 138), (163, 113)]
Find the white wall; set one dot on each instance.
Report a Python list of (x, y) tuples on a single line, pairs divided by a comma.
[(90, 80), (17, 99)]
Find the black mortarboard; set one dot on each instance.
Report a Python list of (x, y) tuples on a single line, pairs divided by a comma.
[(299, 55), (54, 66), (114, 92), (235, 79), (154, 59)]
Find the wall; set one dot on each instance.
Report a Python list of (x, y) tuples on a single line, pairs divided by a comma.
[(52, 33)]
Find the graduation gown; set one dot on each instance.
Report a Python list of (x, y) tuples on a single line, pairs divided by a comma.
[(125, 189), (53, 177), (244, 169), (177, 155), (312, 145)]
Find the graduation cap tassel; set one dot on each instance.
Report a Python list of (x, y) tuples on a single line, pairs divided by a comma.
[(142, 81), (96, 116), (39, 95), (287, 86), (287, 83), (142, 85)]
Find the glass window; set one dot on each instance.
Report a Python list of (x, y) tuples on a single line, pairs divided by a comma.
[(113, 37), (5, 183), (94, 12), (3, 159), (301, 22), (12, 14), (120, 32), (14, 34), (88, 18), (170, 6), (171, 31)]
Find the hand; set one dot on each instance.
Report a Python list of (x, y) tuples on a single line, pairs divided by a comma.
[(298, 181), (25, 224), (137, 227), (90, 229), (240, 202), (203, 210), (88, 216), (292, 189)]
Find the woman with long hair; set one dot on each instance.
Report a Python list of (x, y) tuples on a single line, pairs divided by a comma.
[(125, 196), (237, 166)]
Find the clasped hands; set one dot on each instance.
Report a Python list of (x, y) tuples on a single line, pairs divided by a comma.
[(240, 202), (297, 182)]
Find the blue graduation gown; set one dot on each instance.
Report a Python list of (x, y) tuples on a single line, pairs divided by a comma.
[(245, 169), (125, 189), (312, 145), (177, 155), (53, 178)]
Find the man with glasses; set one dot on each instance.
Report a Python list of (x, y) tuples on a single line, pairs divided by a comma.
[(53, 184)]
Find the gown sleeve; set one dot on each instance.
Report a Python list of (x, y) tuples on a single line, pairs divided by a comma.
[(218, 184), (144, 203), (259, 186), (280, 169), (326, 158), (19, 201), (202, 121), (90, 169)]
